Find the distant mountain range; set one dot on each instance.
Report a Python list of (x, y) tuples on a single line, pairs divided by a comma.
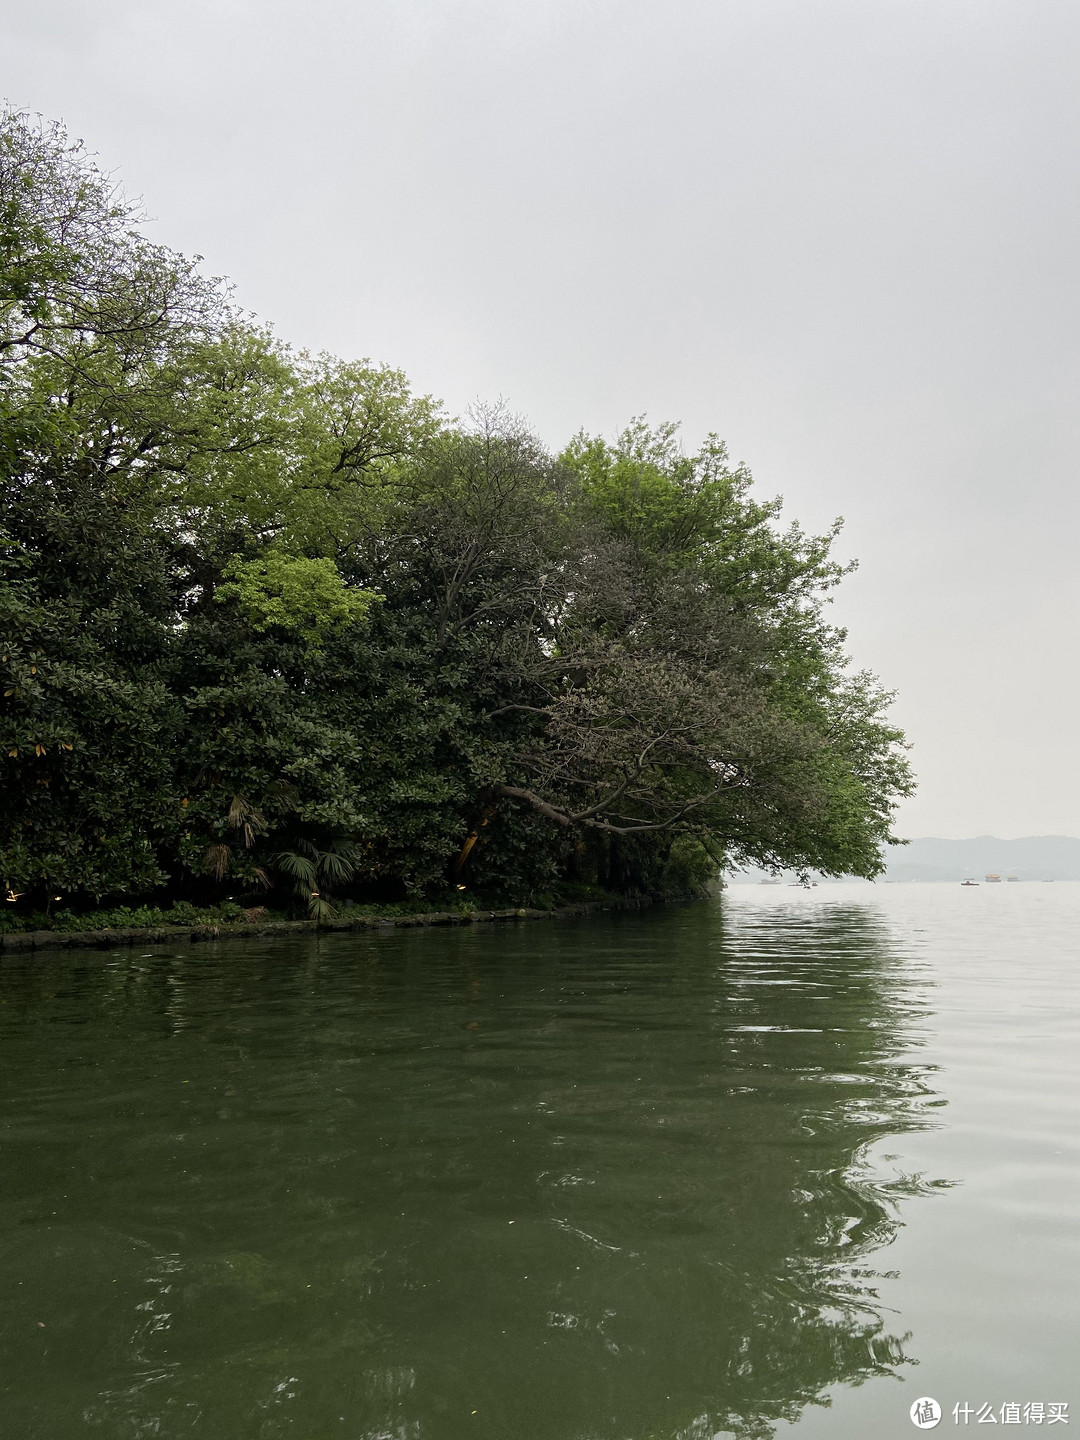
[(1034, 857)]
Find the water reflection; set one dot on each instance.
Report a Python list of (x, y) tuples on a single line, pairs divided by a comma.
[(603, 1179)]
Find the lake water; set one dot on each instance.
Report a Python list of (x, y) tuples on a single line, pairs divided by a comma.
[(779, 1163)]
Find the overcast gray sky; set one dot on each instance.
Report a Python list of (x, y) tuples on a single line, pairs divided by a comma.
[(843, 233)]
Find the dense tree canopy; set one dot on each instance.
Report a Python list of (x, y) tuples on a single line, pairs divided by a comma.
[(269, 620)]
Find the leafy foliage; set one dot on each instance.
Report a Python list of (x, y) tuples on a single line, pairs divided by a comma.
[(304, 597), (313, 871)]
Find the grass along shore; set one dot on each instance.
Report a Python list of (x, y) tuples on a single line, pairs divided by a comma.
[(224, 922)]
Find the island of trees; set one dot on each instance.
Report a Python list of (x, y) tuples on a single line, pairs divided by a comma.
[(275, 629)]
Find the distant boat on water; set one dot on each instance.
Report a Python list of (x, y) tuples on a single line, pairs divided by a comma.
[(993, 879), (969, 882)]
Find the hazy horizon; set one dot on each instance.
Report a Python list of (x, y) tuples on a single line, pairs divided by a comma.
[(933, 858), (911, 839), (841, 235)]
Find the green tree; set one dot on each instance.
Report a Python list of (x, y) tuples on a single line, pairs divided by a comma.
[(256, 603)]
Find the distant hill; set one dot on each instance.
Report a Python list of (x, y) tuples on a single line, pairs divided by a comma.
[(1035, 857)]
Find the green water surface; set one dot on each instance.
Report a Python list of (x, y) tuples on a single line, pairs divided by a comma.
[(785, 1159)]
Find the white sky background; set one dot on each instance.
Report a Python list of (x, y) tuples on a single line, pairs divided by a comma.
[(842, 233)]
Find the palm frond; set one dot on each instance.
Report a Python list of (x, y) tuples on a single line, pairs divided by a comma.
[(246, 818), (335, 867), (239, 810), (216, 861), (297, 867)]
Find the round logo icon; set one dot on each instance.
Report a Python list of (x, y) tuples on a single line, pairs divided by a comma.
[(925, 1413)]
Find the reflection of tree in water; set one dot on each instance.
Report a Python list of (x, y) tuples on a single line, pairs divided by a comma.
[(702, 1159), (675, 1115)]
